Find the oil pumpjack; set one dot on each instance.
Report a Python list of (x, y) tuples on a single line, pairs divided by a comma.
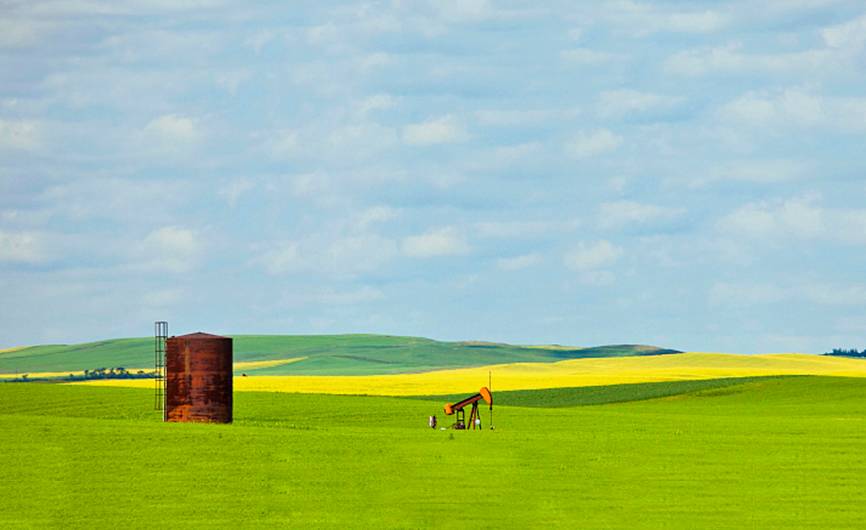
[(458, 409)]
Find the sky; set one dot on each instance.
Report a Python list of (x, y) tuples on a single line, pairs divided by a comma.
[(685, 174)]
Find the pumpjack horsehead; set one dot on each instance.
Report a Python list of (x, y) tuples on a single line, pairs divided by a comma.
[(474, 415)]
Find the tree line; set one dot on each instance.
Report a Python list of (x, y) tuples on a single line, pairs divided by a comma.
[(847, 353)]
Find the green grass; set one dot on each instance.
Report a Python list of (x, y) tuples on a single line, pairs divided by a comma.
[(600, 395), (327, 354), (760, 453)]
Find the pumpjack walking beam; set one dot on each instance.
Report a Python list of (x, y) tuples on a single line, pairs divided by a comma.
[(458, 408)]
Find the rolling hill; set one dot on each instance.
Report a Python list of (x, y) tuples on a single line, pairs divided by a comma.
[(355, 354)]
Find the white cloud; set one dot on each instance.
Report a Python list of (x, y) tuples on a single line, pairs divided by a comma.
[(642, 19), (377, 102), (22, 33), (591, 143), (21, 247), (618, 103), (171, 249), (162, 298), (375, 215), (614, 215), (849, 36), (331, 297), (281, 258), (340, 256), (504, 156), (795, 107), (464, 10), (592, 256), (172, 128), (586, 56), (797, 217), (374, 60), (516, 263), (745, 294), (730, 59), (20, 134), (233, 190), (517, 117), (284, 143), (754, 171), (438, 242), (700, 22), (361, 140), (442, 130), (524, 229)]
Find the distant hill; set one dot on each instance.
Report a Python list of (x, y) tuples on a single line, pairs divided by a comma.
[(354, 354)]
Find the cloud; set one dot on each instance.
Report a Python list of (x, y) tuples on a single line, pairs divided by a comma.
[(586, 56), (505, 156), (284, 143), (850, 36), (19, 134), (752, 171), (172, 128), (338, 256), (21, 247), (464, 10), (516, 117), (281, 258), (795, 107), (516, 263), (797, 217), (619, 214), (332, 297), (618, 103), (162, 298), (524, 229), (642, 19), (232, 190), (170, 249), (592, 256), (375, 215), (442, 130), (377, 102), (23, 33), (438, 242), (731, 60), (592, 143), (360, 140), (747, 294)]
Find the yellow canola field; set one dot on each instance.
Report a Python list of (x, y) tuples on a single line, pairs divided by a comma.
[(569, 373), (34, 375)]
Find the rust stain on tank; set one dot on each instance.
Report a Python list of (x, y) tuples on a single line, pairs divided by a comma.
[(198, 378)]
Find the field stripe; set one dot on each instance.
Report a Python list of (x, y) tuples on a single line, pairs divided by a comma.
[(563, 374)]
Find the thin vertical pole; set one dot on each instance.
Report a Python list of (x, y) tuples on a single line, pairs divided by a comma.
[(490, 388)]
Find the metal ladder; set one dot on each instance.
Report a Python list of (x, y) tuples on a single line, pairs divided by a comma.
[(160, 334)]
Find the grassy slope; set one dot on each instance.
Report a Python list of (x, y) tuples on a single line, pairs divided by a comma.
[(326, 354), (764, 453)]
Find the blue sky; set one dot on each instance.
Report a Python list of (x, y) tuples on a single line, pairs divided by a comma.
[(686, 174)]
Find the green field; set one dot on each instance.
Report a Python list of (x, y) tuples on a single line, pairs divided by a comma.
[(325, 354), (757, 453)]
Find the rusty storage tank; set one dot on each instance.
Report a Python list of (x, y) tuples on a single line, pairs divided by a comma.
[(198, 378)]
